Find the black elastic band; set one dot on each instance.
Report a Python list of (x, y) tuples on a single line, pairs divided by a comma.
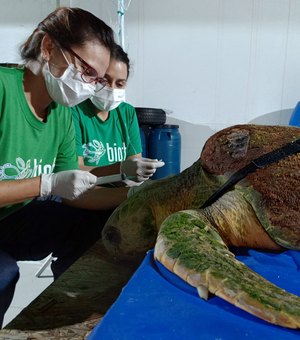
[(258, 163)]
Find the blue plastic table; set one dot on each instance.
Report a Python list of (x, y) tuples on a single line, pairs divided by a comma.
[(295, 116), (156, 304)]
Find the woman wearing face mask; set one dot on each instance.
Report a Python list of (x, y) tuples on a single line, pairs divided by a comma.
[(65, 59), (108, 137)]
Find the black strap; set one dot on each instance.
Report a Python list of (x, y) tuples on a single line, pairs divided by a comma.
[(258, 163)]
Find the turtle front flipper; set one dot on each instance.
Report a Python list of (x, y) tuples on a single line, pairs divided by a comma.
[(189, 246)]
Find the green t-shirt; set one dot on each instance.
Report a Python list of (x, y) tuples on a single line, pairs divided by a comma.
[(101, 142), (30, 147)]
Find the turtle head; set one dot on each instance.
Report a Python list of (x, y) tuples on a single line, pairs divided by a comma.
[(131, 230)]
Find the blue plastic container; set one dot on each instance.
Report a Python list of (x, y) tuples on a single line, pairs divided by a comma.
[(143, 141), (164, 142), (295, 117)]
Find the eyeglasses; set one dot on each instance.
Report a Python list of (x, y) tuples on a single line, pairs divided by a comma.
[(89, 74)]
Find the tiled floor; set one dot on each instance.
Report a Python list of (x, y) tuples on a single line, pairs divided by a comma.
[(28, 287)]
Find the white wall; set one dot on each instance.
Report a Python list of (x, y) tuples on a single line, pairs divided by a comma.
[(213, 63)]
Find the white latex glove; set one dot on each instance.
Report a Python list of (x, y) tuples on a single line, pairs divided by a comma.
[(141, 168), (67, 184)]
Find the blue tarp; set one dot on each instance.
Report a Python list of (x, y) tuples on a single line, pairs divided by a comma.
[(156, 304)]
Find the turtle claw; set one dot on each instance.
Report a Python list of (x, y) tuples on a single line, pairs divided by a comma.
[(203, 292)]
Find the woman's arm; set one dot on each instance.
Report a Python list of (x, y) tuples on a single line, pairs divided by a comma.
[(100, 198), (20, 190), (107, 170), (99, 171)]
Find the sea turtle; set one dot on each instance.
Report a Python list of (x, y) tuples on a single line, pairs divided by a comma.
[(261, 211)]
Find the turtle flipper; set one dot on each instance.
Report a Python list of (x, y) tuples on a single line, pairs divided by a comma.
[(189, 246)]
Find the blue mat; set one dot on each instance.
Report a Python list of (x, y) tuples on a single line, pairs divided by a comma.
[(156, 304)]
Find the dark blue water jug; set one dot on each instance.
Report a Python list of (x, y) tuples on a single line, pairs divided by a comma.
[(143, 141), (164, 142)]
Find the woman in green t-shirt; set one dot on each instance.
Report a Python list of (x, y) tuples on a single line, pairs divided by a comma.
[(107, 130), (108, 135), (65, 59)]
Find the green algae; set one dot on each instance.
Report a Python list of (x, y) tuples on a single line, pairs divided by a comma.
[(195, 243)]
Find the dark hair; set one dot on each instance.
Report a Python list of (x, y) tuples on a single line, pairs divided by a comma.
[(68, 27), (118, 54)]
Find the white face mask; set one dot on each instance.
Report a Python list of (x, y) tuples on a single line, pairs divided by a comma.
[(108, 99), (68, 89)]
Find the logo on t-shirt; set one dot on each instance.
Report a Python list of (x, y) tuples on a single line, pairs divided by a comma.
[(94, 151), (25, 169)]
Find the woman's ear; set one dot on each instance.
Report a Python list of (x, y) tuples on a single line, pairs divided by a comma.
[(47, 47)]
